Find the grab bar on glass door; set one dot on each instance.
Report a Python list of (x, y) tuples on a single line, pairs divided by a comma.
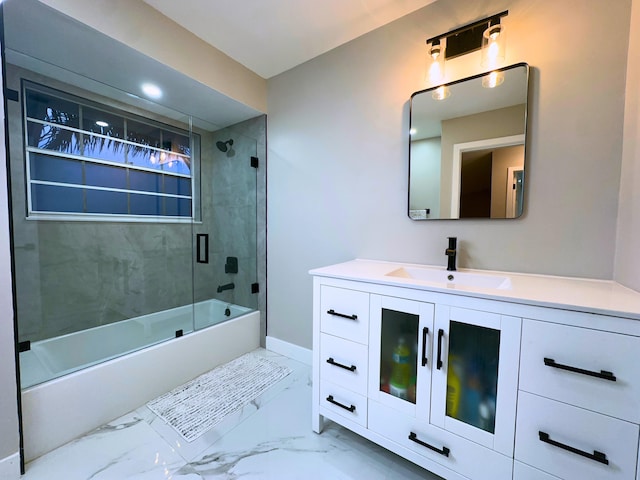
[(202, 248)]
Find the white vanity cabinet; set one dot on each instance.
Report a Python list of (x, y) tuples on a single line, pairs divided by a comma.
[(449, 422), (579, 401), (537, 381), (459, 405)]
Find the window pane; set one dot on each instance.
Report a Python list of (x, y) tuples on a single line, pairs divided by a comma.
[(144, 135), (105, 176), (49, 198), (180, 146), (55, 169), (175, 164), (100, 201), (177, 207), (53, 138), (42, 106), (177, 185), (145, 181), (103, 123), (146, 204)]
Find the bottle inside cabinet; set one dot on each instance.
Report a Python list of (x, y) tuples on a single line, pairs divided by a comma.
[(472, 376), (398, 354)]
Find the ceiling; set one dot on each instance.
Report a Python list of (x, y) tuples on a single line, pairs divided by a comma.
[(270, 37), (267, 37)]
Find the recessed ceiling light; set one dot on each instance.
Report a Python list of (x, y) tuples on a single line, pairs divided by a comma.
[(151, 90), (102, 123)]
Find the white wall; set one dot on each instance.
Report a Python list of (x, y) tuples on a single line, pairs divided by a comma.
[(338, 151), (627, 267), (8, 391)]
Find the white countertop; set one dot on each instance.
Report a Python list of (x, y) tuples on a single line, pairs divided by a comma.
[(597, 296)]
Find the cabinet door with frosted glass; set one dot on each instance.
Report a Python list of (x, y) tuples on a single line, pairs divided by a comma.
[(475, 375), (400, 354)]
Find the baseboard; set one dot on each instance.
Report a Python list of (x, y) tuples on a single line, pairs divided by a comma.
[(10, 467), (290, 350)]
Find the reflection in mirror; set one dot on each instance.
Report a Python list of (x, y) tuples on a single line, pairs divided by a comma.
[(467, 149)]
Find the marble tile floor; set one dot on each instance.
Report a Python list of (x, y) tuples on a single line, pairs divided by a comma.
[(269, 439)]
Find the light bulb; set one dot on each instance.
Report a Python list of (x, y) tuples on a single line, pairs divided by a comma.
[(435, 72), (493, 46)]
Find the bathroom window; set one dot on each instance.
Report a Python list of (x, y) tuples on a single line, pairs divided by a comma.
[(87, 160)]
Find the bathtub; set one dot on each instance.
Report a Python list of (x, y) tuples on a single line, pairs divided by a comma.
[(85, 391)]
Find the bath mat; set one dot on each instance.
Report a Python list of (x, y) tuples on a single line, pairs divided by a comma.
[(195, 407)]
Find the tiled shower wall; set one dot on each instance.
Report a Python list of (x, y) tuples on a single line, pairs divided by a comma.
[(76, 275)]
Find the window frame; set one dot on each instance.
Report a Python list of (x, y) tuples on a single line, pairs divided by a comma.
[(194, 142)]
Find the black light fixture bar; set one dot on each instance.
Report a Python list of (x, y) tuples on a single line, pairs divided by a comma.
[(467, 38)]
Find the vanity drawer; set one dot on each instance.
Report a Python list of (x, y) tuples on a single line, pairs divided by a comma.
[(343, 363), (559, 362), (465, 457), (522, 471), (344, 313), (344, 402), (574, 435)]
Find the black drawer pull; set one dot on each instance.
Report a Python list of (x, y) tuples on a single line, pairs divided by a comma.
[(330, 360), (342, 315), (425, 332), (597, 456), (550, 362), (352, 408), (444, 451), (440, 335)]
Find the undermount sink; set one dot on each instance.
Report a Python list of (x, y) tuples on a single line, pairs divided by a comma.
[(447, 278)]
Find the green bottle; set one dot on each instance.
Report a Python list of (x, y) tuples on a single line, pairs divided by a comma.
[(400, 370)]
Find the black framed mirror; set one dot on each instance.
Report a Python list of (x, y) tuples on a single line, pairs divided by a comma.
[(467, 147)]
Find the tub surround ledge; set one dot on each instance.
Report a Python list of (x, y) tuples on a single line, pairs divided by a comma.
[(10, 467), (108, 390)]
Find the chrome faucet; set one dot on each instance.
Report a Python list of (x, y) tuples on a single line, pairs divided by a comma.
[(228, 286), (451, 254)]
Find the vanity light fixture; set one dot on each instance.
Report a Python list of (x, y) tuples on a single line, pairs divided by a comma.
[(472, 37), (435, 72), (494, 42)]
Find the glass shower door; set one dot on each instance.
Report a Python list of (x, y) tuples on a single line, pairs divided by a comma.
[(225, 270), (101, 212)]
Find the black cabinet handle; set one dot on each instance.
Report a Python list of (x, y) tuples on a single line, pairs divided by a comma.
[(442, 451), (440, 335), (342, 315), (330, 360), (425, 332), (550, 362), (330, 399), (596, 456)]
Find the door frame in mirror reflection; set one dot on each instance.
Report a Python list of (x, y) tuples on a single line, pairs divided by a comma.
[(491, 144), (471, 118)]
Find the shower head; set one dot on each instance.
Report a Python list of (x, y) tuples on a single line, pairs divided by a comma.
[(222, 146)]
